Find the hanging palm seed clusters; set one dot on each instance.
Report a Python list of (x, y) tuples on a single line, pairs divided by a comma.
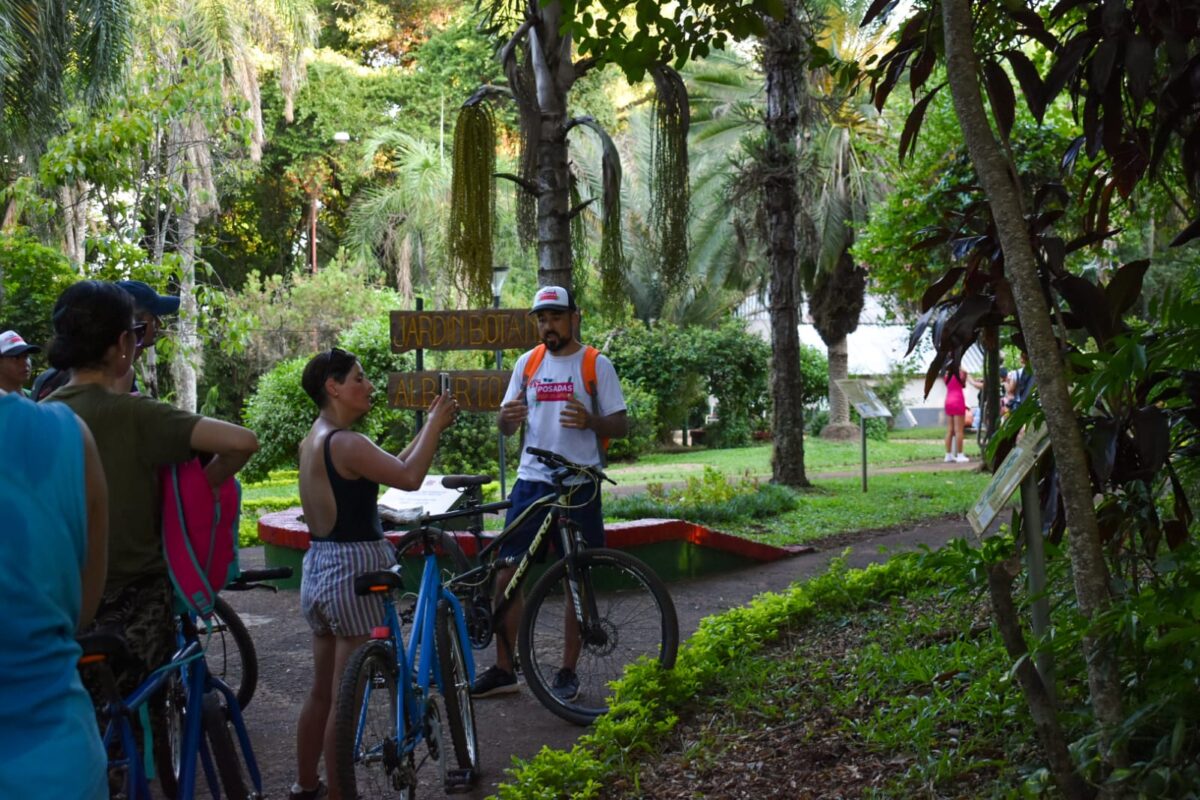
[(669, 174), (473, 202)]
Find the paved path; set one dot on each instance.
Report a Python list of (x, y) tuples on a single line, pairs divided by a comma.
[(512, 725)]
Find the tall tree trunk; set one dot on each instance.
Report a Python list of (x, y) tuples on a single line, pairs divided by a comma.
[(996, 173), (553, 77), (183, 366), (783, 55), (74, 197), (839, 426)]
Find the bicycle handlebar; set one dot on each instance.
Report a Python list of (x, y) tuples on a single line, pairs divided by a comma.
[(250, 577), (555, 460)]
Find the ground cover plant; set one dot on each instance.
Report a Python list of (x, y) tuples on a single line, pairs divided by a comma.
[(777, 515), (888, 682)]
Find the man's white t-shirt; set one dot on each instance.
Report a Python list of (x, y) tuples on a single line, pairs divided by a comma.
[(557, 379)]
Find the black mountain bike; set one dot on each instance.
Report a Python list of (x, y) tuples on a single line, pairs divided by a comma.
[(619, 607)]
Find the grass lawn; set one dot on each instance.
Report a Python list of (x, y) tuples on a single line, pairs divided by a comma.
[(819, 456), (838, 505)]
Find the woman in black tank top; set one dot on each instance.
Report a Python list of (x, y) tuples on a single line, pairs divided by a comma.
[(340, 474)]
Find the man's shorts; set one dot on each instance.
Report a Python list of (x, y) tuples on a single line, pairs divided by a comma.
[(327, 595), (587, 516), (142, 613)]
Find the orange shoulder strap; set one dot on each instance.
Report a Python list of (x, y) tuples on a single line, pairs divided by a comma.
[(531, 364), (589, 369)]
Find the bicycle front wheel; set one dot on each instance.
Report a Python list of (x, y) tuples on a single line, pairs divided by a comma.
[(230, 653), (221, 746), (367, 742), (456, 691), (627, 613)]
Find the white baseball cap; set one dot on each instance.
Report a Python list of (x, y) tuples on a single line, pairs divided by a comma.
[(552, 298), (11, 344)]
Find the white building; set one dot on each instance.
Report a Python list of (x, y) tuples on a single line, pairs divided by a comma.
[(877, 345)]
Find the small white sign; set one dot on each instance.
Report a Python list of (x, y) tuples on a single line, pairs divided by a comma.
[(865, 402), (1008, 477), (431, 498)]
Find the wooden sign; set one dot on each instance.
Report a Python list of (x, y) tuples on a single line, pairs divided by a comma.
[(475, 390), (483, 329)]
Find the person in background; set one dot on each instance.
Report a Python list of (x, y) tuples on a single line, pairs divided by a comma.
[(551, 404), (53, 558), (955, 409), (149, 307), (15, 363), (340, 474), (95, 341)]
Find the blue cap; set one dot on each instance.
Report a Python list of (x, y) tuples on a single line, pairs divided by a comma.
[(146, 299)]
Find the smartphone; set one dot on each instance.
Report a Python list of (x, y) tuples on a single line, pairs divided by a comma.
[(443, 382)]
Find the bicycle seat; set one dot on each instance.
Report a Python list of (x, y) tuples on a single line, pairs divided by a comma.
[(465, 481), (381, 581), (102, 646)]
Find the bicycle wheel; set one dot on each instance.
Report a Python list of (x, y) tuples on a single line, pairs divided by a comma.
[(460, 712), (230, 654), (367, 741), (168, 744), (221, 746), (628, 614), (450, 549)]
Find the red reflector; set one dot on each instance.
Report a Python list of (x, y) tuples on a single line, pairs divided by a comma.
[(381, 632)]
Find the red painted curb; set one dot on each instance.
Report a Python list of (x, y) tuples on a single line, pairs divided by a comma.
[(284, 529)]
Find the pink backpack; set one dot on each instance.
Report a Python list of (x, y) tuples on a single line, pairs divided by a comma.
[(199, 536)]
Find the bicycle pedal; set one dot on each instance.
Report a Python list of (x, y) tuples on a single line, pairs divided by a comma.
[(459, 781)]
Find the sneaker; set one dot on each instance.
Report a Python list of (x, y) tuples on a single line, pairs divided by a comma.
[(565, 685), (961, 458), (494, 681), (949, 458), (322, 791)]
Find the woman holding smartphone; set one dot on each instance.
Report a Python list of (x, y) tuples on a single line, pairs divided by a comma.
[(340, 475)]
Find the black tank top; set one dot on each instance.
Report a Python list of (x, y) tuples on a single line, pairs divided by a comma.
[(357, 504)]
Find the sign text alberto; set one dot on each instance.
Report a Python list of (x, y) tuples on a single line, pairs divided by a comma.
[(475, 390), (484, 329)]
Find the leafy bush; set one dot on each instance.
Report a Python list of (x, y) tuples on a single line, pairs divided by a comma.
[(470, 446), (281, 413), (815, 420), (642, 409), (681, 367), (709, 498), (33, 276)]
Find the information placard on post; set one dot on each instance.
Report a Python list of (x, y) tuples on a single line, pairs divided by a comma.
[(1008, 477), (865, 402), (869, 406)]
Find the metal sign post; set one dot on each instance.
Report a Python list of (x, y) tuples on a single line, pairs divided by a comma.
[(1017, 470), (869, 406)]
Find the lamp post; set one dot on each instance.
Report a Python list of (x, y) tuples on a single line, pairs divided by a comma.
[(499, 274), (341, 137)]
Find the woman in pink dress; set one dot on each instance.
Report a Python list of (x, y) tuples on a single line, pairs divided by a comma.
[(956, 410)]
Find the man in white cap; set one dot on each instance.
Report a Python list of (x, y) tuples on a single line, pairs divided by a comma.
[(15, 364), (569, 399)]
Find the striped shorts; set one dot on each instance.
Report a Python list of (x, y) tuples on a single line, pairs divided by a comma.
[(327, 595)]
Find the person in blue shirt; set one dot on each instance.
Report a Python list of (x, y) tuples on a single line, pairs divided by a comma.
[(53, 560)]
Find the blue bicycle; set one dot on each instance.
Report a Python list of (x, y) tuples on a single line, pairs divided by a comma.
[(386, 703), (203, 717)]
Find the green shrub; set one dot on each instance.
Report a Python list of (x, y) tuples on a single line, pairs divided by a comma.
[(709, 498), (642, 409), (33, 276), (281, 413), (471, 447)]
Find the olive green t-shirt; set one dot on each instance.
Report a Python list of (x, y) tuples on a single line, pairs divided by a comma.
[(135, 436)]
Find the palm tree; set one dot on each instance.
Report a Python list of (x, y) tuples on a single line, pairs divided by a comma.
[(399, 224), (841, 184)]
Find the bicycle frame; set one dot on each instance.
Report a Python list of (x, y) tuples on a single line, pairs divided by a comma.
[(415, 660), (189, 663)]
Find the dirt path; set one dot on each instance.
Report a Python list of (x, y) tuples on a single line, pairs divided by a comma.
[(511, 725)]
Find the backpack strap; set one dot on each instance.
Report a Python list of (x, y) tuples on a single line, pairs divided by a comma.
[(531, 365), (590, 354)]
